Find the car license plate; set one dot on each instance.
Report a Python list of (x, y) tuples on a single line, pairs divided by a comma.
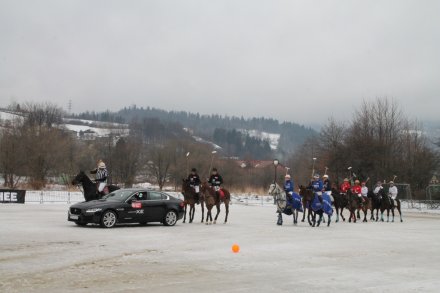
[(74, 217)]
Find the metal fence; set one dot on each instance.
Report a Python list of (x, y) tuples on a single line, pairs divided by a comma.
[(62, 196), (68, 197), (421, 205), (433, 192)]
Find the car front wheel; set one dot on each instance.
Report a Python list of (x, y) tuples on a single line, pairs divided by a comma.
[(108, 219), (170, 218)]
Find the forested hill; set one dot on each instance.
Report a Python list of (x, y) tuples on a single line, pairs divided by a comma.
[(291, 134)]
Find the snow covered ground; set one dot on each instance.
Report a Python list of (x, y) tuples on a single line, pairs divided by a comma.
[(41, 252)]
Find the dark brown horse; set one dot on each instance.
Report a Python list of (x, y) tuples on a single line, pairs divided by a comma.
[(189, 196), (90, 189), (307, 197), (213, 198), (375, 203), (387, 203), (340, 202)]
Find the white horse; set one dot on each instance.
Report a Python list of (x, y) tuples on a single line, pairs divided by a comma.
[(284, 206)]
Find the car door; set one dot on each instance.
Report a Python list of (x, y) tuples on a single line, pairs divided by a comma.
[(134, 210), (155, 206)]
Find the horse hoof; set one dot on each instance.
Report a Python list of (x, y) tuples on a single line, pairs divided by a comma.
[(302, 221), (215, 222), (401, 221)]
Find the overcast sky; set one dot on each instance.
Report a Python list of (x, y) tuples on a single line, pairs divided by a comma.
[(293, 60)]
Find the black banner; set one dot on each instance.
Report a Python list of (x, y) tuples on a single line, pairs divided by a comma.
[(12, 196)]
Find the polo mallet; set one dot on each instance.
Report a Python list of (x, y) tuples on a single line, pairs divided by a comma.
[(187, 164), (212, 160), (394, 178), (325, 172), (287, 170), (368, 179), (313, 167)]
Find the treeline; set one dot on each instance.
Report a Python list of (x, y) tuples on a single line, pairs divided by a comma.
[(378, 143), (236, 143), (292, 134)]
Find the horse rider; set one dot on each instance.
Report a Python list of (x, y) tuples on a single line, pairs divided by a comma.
[(215, 180), (378, 188), (194, 182), (392, 192), (345, 186), (327, 186), (101, 175), (288, 187), (357, 189), (364, 190), (317, 186)]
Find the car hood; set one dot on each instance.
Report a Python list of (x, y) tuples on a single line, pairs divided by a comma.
[(95, 204)]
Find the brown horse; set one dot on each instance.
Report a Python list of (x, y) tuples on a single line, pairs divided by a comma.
[(353, 205), (364, 205), (212, 198), (307, 197), (189, 195)]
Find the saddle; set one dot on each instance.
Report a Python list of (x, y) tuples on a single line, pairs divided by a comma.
[(221, 194)]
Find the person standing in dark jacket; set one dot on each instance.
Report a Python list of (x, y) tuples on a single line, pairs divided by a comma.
[(194, 182)]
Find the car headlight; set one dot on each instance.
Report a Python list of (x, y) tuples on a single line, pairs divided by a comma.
[(93, 210)]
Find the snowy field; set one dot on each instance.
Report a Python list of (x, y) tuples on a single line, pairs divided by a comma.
[(41, 252)]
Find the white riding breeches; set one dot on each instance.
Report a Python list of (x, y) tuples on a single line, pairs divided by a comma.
[(101, 186)]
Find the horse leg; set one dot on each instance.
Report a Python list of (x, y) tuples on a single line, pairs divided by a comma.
[(203, 211), (329, 220), (184, 214), (320, 219), (309, 217), (192, 211), (358, 214), (400, 212), (388, 215), (280, 219), (218, 212), (296, 217), (392, 213), (337, 213), (314, 219), (342, 215), (304, 213), (227, 212)]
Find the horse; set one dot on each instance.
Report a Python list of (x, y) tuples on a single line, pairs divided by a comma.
[(307, 197), (340, 202), (91, 189), (375, 203), (364, 206), (319, 207), (388, 204), (352, 205), (213, 198), (285, 205), (189, 195)]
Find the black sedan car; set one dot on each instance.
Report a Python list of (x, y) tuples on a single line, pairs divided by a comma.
[(128, 206)]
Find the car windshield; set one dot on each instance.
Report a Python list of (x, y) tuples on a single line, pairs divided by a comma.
[(118, 195)]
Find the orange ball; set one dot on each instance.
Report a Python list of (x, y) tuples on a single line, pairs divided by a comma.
[(235, 248)]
